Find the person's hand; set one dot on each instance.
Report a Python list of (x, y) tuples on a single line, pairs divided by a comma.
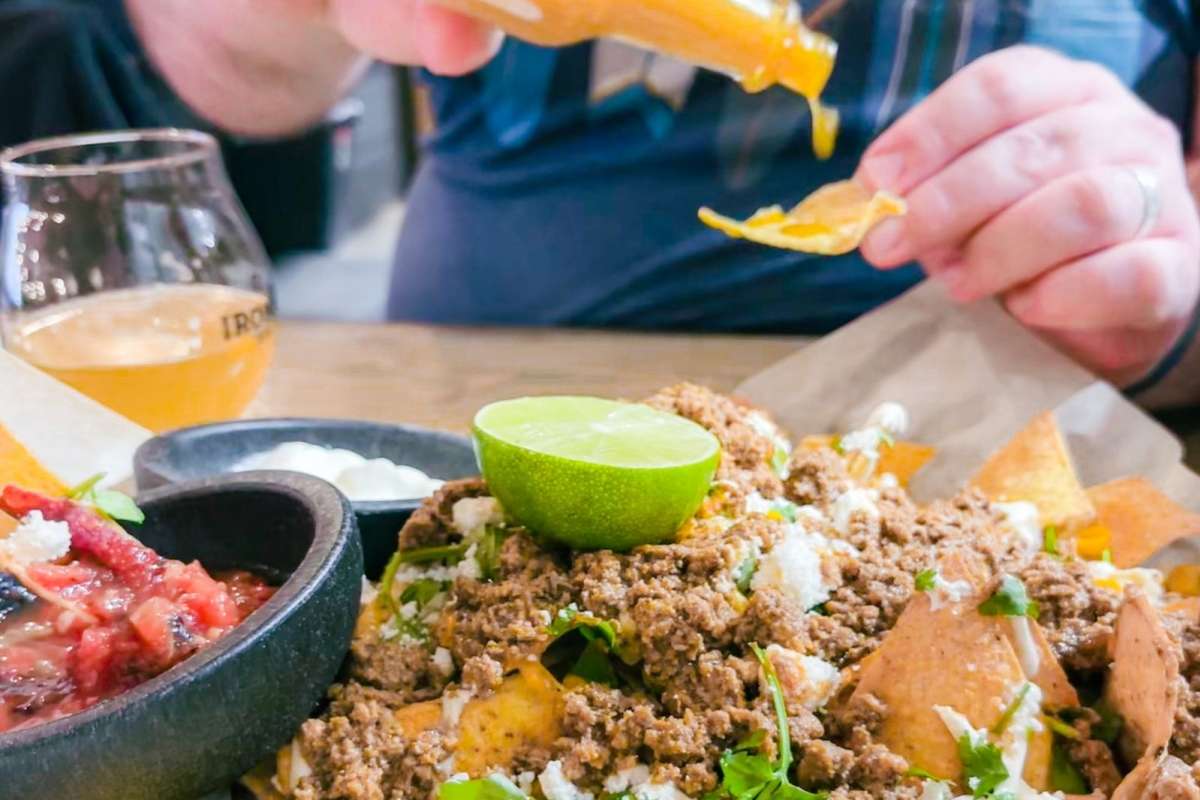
[(417, 32), (1045, 181), (274, 67)]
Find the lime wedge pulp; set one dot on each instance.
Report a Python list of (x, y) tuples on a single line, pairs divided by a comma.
[(592, 473)]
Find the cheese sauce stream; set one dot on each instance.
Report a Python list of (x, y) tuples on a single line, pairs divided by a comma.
[(759, 42)]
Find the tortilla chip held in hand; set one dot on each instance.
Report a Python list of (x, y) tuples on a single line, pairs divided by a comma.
[(831, 221), (1035, 467)]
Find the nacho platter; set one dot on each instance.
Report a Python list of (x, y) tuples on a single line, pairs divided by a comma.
[(961, 647)]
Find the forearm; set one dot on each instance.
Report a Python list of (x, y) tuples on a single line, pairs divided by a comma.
[(250, 67)]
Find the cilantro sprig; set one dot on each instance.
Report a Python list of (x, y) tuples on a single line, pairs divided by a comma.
[(587, 647), (570, 618), (449, 553), (1010, 600), (983, 766), (1050, 540), (1007, 717), (926, 579), (746, 774), (109, 502)]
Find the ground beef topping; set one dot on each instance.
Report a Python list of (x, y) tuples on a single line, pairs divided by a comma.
[(775, 559)]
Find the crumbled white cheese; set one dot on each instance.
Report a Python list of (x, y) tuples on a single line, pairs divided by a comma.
[(761, 425), (888, 481), (807, 680), (793, 567), (936, 790), (946, 592), (472, 513), (1027, 649), (453, 703), (368, 592), (636, 781), (1149, 581), (469, 566), (757, 504), (555, 785), (525, 780), (890, 417), (446, 767), (627, 778), (1023, 519), (443, 662), (852, 502), (36, 540), (1014, 744), (409, 610), (298, 770)]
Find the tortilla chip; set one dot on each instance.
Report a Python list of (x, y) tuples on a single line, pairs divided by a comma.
[(1143, 682), (7, 524), (1141, 519), (1036, 467), (830, 221), (1057, 691), (258, 780), (20, 468), (903, 460), (951, 656), (525, 713), (1156, 775)]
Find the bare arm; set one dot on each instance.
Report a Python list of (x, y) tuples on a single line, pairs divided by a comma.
[(272, 67)]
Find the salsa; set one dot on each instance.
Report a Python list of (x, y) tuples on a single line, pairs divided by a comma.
[(108, 615)]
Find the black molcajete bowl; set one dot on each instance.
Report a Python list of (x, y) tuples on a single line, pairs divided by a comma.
[(201, 724), (207, 450)]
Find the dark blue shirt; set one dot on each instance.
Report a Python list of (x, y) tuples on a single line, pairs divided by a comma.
[(561, 186)]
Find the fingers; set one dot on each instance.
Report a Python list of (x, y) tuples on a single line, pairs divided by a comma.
[(1144, 284), (416, 32), (998, 92), (451, 43), (1067, 219), (948, 207)]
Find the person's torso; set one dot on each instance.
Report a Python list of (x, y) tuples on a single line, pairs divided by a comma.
[(561, 186)]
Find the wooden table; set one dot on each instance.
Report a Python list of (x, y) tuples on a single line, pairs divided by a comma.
[(441, 376)]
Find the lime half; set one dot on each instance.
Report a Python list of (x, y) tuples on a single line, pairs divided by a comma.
[(592, 473)]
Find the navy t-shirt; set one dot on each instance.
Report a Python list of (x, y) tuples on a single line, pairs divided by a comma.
[(561, 186)]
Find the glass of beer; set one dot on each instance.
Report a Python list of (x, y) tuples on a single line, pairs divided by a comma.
[(129, 270)]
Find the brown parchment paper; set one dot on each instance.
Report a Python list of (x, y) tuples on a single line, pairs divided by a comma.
[(970, 377)]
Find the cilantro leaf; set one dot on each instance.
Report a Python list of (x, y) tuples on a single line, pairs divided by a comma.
[(1064, 775), (983, 766), (926, 579), (1110, 724), (917, 772), (449, 553), (1010, 600), (491, 788), (745, 774), (118, 506), (487, 553), (1050, 540), (109, 502), (421, 591), (751, 742), (569, 618), (743, 573), (594, 665)]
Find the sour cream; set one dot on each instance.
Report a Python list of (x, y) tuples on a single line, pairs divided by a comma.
[(357, 477)]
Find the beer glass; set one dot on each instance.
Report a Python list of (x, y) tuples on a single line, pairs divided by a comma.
[(129, 270)]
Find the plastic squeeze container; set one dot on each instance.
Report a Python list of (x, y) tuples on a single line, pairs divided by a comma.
[(758, 42)]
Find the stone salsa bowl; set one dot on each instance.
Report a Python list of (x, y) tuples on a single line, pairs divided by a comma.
[(206, 450), (207, 720)]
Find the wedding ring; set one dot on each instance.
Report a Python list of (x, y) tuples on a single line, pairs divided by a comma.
[(1148, 182)]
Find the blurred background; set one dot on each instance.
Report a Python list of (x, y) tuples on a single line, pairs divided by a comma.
[(328, 205)]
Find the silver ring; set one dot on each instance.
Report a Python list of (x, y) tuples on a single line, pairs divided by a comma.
[(1147, 181)]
